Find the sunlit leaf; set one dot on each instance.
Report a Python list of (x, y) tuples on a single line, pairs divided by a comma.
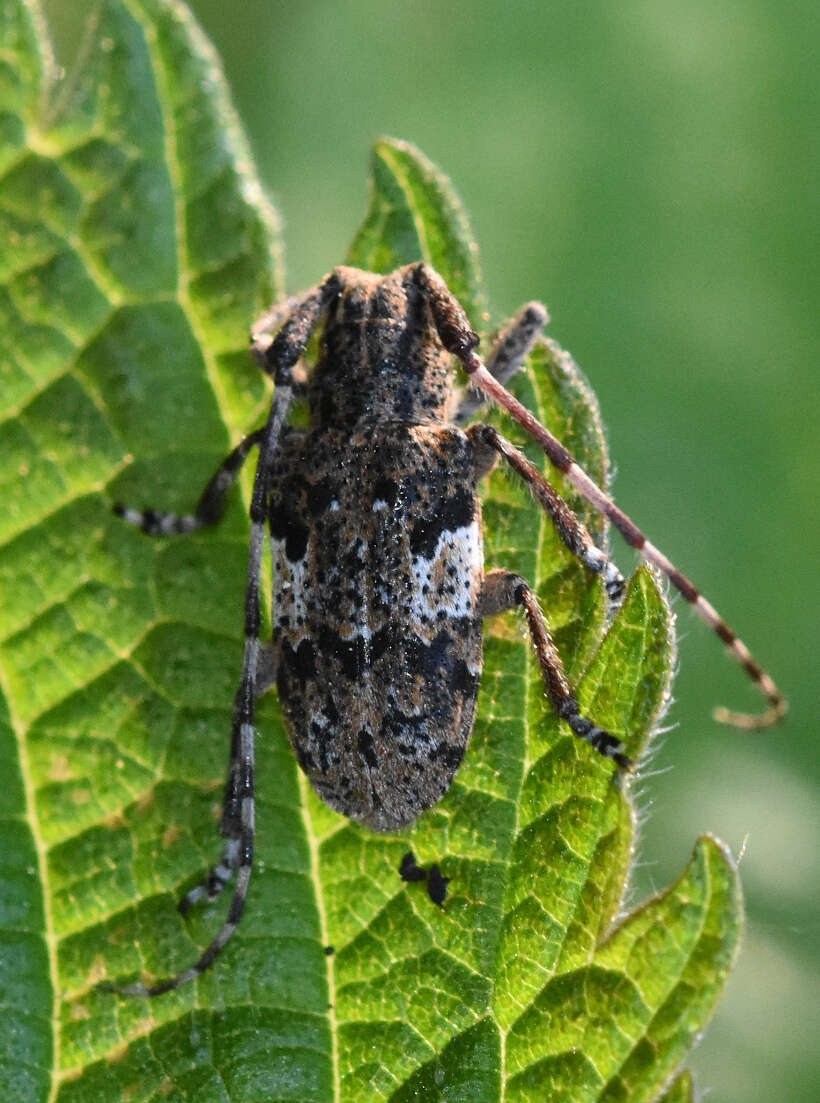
[(136, 251)]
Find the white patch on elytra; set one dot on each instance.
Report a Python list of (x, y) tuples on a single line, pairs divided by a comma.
[(289, 588), (461, 550)]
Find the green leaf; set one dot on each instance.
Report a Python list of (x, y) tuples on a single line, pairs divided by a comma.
[(415, 214), (136, 251), (681, 1090)]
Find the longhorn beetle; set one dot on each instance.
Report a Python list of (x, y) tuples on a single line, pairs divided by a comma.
[(379, 584)]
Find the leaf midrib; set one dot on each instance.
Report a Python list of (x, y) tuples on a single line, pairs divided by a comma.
[(314, 844), (386, 153)]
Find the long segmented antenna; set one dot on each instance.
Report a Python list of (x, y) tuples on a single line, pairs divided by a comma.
[(458, 338), (564, 461)]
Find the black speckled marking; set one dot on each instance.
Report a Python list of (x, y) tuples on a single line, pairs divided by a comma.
[(375, 527), (454, 513), (288, 527), (400, 667)]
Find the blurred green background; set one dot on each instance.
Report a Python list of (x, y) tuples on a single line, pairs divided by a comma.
[(649, 170)]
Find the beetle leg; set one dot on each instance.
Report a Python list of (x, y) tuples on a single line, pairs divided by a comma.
[(502, 590), (209, 509), (511, 346), (488, 443)]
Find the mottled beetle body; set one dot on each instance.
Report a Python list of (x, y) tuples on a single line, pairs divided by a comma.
[(377, 637), (377, 563), (379, 587)]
